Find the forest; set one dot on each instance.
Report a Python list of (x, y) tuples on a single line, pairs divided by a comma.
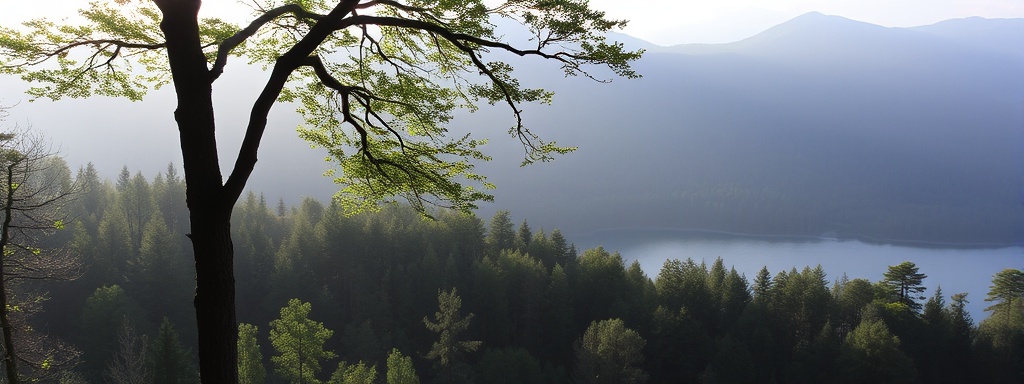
[(393, 297)]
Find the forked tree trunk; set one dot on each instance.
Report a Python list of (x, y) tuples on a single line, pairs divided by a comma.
[(209, 208)]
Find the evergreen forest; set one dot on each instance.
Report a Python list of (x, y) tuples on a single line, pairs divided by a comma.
[(393, 297)]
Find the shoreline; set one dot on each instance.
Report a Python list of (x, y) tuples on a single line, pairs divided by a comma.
[(691, 232)]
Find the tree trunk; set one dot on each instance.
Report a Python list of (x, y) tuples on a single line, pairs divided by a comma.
[(10, 358), (209, 208), (214, 301)]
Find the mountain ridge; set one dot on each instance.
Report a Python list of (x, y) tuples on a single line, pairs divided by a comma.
[(911, 137)]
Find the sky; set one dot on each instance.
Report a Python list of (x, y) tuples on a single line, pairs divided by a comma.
[(669, 22)]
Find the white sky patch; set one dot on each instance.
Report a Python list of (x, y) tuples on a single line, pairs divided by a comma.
[(669, 22)]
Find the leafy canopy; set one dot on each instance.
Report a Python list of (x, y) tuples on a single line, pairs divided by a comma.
[(377, 88)]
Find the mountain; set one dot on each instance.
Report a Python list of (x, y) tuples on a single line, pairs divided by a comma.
[(821, 124), (997, 35)]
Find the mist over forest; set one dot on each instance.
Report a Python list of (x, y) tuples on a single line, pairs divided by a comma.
[(378, 293)]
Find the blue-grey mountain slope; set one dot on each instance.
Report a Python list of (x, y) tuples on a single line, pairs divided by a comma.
[(821, 124)]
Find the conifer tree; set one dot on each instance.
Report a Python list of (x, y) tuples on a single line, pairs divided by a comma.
[(904, 281), (449, 324), (299, 342), (400, 369), (448, 350), (501, 234), (1007, 291), (358, 373), (250, 359), (169, 361)]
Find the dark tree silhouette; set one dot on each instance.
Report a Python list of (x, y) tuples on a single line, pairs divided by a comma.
[(377, 79)]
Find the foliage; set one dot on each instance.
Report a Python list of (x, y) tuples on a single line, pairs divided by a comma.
[(905, 283), (250, 359), (400, 369), (299, 343), (375, 275), (378, 102), (449, 324), (358, 373), (610, 353), (169, 361), (35, 188), (1007, 289), (871, 354)]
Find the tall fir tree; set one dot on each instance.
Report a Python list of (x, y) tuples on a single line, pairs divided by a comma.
[(299, 342), (250, 359), (169, 361)]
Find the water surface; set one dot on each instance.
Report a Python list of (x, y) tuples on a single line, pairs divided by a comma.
[(955, 269)]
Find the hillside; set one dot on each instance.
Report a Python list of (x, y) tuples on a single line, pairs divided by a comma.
[(820, 124)]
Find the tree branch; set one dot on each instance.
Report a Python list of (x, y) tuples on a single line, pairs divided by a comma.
[(238, 38), (283, 68)]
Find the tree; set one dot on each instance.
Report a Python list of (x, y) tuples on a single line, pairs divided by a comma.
[(1006, 290), (449, 324), (358, 373), (129, 364), (36, 187), (169, 361), (525, 236), (160, 275), (250, 359), (610, 353), (501, 234), (380, 110), (962, 335), (871, 354), (400, 369), (105, 312), (299, 342), (905, 283)]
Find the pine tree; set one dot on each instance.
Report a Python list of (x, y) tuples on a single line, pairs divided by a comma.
[(447, 351), (1007, 291), (904, 281), (400, 369), (299, 342), (169, 362), (525, 235), (250, 359), (449, 324), (358, 373), (501, 234)]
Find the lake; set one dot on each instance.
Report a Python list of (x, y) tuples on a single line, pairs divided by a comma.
[(955, 269)]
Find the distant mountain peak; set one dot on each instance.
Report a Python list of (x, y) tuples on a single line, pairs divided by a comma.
[(816, 23)]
